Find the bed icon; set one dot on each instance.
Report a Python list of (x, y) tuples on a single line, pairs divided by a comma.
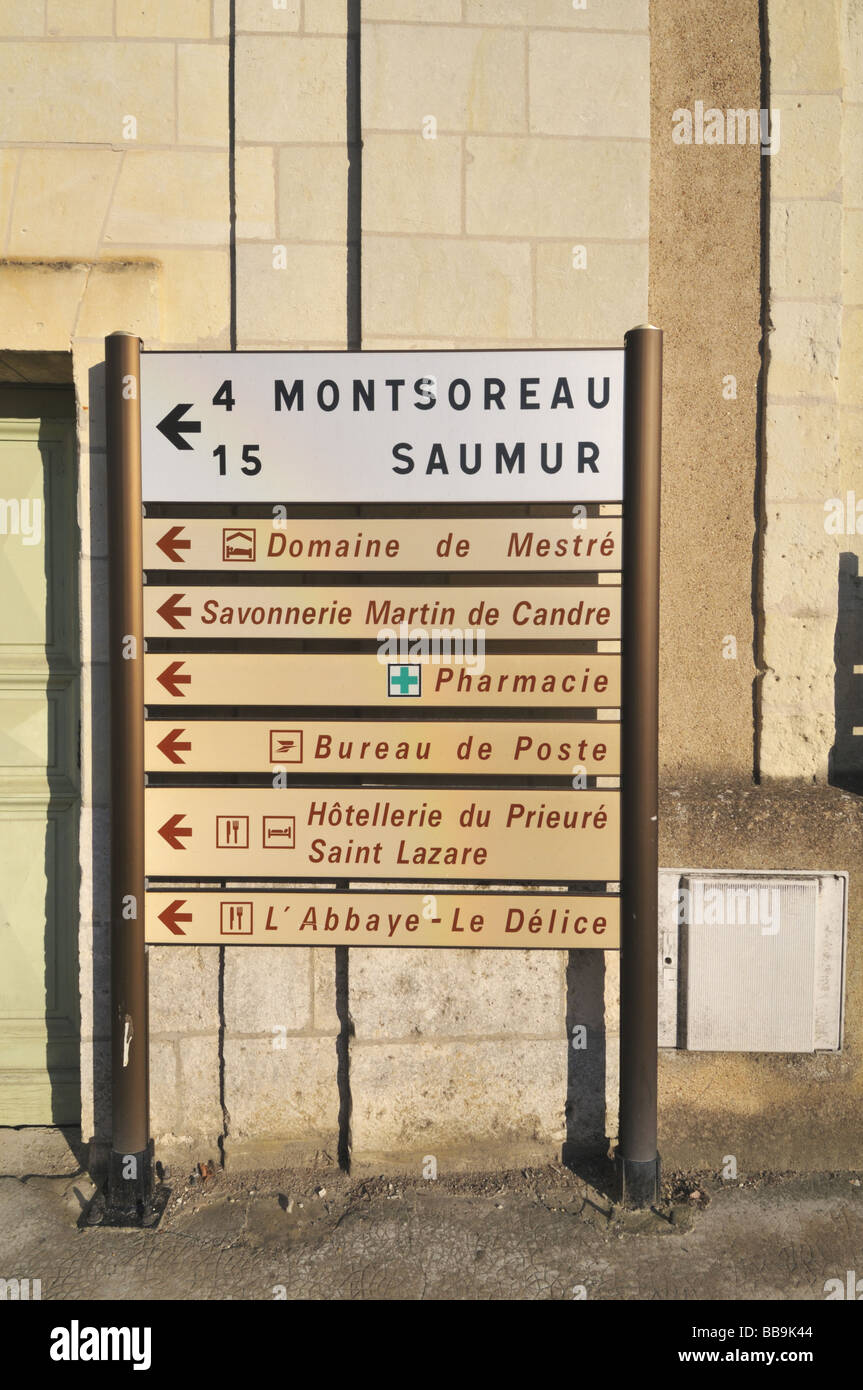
[(238, 545)]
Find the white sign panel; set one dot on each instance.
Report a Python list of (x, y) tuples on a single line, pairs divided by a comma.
[(520, 426)]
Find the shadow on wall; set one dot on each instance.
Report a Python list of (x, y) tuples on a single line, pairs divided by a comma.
[(354, 143), (100, 1140), (61, 873), (586, 1140), (845, 766)]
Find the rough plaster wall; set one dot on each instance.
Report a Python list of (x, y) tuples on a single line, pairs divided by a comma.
[(813, 600), (704, 294), (772, 1111)]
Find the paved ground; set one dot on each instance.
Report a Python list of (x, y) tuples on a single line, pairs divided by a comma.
[(534, 1234)]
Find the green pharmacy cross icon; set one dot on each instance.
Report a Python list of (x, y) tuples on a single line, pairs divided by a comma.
[(404, 680)]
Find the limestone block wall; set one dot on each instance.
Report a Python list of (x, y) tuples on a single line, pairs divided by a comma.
[(291, 171), (505, 171), (813, 601), (483, 224), (506, 161), (114, 214), (505, 202), (709, 226)]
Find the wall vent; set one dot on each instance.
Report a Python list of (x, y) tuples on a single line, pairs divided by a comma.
[(751, 962)]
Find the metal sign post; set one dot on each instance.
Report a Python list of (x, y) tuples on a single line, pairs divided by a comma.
[(130, 1191), (637, 1156), (309, 516)]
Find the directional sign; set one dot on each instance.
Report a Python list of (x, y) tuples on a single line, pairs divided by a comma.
[(426, 427), (382, 919), (175, 427), (299, 544), (310, 746), (351, 611), (499, 680), (427, 834), (166, 543), (518, 430)]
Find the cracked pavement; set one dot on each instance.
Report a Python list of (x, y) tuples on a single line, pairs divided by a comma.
[(540, 1234)]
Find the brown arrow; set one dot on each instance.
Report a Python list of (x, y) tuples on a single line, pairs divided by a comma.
[(172, 915), (170, 612), (171, 680), (171, 546), (171, 748), (172, 829)]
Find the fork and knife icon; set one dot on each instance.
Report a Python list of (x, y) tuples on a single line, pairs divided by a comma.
[(232, 832)]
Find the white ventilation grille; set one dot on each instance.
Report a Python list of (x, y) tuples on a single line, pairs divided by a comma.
[(751, 962)]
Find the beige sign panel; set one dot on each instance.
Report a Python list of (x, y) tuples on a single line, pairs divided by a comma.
[(233, 916), (365, 746), (299, 611), (300, 544), (382, 833), (503, 681)]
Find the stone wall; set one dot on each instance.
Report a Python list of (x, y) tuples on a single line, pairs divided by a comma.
[(115, 194), (516, 157), (504, 177), (505, 169), (813, 601)]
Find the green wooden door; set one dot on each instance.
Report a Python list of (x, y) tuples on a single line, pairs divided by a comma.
[(39, 782)]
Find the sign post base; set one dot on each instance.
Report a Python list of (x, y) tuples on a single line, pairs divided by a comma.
[(637, 1182), (130, 1197)]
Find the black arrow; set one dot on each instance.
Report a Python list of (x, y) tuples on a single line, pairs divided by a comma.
[(173, 426)]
